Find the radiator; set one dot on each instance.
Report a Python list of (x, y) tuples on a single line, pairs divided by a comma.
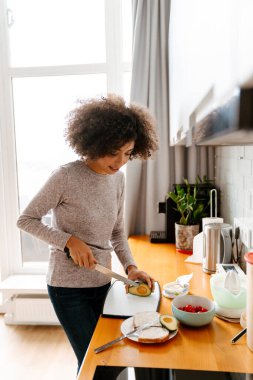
[(30, 309)]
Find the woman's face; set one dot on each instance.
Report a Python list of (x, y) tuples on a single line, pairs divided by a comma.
[(111, 163)]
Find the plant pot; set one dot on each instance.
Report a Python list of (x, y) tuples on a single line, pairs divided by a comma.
[(184, 237)]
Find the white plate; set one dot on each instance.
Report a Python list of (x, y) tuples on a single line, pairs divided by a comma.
[(127, 326)]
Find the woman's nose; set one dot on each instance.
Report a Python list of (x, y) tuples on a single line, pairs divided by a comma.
[(120, 159)]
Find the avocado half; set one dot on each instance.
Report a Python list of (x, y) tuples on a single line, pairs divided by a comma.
[(142, 290), (169, 322)]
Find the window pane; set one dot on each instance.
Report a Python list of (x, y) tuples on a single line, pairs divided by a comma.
[(127, 85), (127, 30), (40, 109), (57, 32)]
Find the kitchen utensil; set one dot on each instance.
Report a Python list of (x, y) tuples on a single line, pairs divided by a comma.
[(197, 256), (212, 219), (211, 203), (239, 335), (227, 319), (237, 253), (232, 282), (217, 245), (110, 273), (229, 293), (118, 304), (134, 331)]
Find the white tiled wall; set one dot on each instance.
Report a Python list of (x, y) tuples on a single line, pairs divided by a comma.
[(234, 177)]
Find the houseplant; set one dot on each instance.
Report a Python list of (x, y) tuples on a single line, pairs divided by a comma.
[(191, 209)]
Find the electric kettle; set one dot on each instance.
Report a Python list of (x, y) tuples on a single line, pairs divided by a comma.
[(217, 245)]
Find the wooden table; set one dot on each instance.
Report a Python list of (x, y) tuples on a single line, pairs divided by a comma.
[(205, 348)]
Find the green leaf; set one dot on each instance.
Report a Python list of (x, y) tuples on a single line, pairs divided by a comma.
[(191, 209)]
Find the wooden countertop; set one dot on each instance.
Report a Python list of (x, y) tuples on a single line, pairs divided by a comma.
[(205, 348)]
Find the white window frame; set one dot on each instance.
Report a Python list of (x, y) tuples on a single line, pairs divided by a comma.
[(10, 242)]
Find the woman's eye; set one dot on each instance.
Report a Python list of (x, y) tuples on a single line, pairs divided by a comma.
[(127, 154)]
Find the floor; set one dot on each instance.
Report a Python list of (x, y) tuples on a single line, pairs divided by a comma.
[(35, 352)]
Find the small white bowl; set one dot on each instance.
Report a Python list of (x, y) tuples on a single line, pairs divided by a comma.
[(174, 289)]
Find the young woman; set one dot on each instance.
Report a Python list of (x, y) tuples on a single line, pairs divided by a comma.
[(86, 199)]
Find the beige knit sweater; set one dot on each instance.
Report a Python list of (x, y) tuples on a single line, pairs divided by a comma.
[(85, 204)]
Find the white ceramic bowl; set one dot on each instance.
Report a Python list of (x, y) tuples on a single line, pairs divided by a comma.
[(193, 319), (174, 289)]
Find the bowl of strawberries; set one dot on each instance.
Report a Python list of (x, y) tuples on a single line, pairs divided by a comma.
[(193, 310)]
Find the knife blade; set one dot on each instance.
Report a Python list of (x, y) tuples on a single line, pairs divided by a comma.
[(110, 273)]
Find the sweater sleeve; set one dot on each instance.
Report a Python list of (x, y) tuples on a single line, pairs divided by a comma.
[(49, 197), (118, 238)]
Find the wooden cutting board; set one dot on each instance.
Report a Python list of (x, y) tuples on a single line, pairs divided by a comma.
[(118, 304)]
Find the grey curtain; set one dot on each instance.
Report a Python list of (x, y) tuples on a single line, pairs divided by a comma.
[(147, 182)]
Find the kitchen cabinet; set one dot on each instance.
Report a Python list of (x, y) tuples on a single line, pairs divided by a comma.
[(209, 58), (207, 348)]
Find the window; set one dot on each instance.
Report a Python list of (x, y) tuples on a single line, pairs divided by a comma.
[(52, 53)]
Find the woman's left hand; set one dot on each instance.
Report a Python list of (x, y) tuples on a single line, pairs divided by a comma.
[(135, 274)]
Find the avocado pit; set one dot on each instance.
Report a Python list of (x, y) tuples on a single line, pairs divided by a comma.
[(142, 290)]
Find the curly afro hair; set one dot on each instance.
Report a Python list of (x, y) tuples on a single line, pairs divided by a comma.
[(99, 127)]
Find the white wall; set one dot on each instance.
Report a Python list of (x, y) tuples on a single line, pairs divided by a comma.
[(234, 176), (209, 53)]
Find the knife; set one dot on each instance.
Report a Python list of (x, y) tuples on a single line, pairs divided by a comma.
[(136, 330), (110, 273)]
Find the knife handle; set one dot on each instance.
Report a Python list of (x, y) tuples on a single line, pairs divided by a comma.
[(135, 330), (109, 344)]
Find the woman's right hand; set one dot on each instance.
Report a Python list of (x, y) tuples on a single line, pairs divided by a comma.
[(81, 253)]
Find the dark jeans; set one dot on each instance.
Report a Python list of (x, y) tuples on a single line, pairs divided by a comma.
[(78, 310)]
